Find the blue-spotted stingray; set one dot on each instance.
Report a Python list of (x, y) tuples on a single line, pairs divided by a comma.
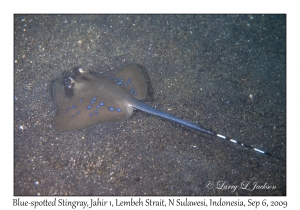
[(84, 100)]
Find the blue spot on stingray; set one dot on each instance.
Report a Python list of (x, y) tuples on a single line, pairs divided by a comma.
[(74, 107), (111, 108), (96, 111), (98, 107), (119, 81), (91, 114), (69, 108), (78, 112), (89, 107), (118, 110), (80, 100), (93, 100), (132, 91), (129, 80), (125, 85), (101, 103)]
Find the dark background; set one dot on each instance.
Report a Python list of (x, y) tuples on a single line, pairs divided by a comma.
[(201, 68)]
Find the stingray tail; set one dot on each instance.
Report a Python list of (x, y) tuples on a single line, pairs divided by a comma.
[(144, 107)]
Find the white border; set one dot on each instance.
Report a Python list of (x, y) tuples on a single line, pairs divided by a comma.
[(8, 9)]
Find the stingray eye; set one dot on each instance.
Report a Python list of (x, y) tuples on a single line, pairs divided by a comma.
[(77, 71), (69, 82)]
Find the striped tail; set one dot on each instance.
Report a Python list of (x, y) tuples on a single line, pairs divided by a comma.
[(242, 144), (141, 106)]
